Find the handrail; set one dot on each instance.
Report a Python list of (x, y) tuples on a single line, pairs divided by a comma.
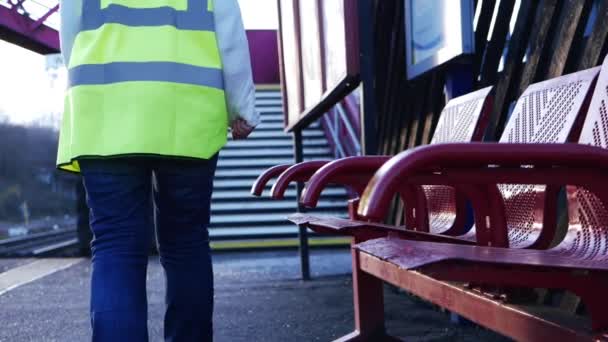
[(341, 128), (347, 125)]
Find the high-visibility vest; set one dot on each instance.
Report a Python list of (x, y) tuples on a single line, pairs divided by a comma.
[(145, 79)]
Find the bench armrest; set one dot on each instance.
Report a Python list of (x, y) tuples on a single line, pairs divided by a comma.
[(300, 172), (265, 177), (351, 172), (485, 163)]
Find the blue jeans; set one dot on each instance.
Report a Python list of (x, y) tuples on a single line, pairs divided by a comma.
[(119, 195)]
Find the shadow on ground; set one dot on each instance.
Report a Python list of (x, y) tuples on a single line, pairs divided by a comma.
[(259, 297)]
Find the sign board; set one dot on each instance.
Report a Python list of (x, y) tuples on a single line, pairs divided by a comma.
[(340, 41), (436, 32), (312, 59), (319, 56), (291, 75)]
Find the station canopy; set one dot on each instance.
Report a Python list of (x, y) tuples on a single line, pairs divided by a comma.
[(36, 9)]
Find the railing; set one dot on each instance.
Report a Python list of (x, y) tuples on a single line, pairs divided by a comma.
[(31, 24), (342, 128)]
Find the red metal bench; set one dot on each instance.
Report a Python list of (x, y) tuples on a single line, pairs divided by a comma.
[(547, 112), (506, 215), (463, 119), (578, 263)]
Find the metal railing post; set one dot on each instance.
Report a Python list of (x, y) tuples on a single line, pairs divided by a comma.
[(302, 229)]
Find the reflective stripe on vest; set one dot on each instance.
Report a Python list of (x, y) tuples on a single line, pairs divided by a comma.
[(145, 78), (96, 74), (198, 15)]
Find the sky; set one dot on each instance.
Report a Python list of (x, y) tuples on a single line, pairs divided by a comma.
[(28, 92)]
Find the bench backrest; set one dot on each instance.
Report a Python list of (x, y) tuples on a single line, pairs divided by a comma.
[(547, 112), (587, 235), (463, 119)]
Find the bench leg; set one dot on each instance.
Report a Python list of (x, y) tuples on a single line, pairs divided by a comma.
[(368, 300), (592, 293)]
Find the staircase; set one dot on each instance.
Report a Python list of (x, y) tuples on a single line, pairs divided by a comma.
[(235, 214)]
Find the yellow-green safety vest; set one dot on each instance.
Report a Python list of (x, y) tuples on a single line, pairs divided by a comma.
[(145, 79)]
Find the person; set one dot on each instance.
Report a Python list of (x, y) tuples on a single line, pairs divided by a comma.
[(153, 87)]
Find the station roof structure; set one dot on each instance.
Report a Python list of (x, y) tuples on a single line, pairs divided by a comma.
[(32, 24)]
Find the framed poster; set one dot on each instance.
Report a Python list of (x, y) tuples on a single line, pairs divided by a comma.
[(319, 49), (340, 41), (436, 32), (289, 50), (312, 54)]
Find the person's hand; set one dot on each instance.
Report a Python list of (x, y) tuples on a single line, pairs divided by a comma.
[(240, 129)]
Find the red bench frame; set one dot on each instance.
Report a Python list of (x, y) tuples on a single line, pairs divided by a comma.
[(422, 267), (484, 198), (425, 268), (463, 119)]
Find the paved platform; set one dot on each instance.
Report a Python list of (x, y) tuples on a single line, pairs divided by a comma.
[(8, 264), (258, 298)]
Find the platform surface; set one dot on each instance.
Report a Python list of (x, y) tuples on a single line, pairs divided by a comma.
[(258, 298)]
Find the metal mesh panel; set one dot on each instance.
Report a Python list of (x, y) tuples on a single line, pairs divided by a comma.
[(541, 116), (587, 236), (442, 207), (458, 122)]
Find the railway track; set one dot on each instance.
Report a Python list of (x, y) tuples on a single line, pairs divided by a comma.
[(40, 244)]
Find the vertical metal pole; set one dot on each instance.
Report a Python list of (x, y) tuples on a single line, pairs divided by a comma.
[(459, 81), (369, 136), (303, 233)]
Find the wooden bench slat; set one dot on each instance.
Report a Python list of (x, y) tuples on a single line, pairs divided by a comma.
[(415, 254), (505, 319)]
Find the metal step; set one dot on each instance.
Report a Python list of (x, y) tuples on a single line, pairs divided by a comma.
[(284, 231), (282, 135), (219, 185), (270, 97), (264, 110), (262, 143), (277, 99), (268, 103), (238, 215), (273, 119), (266, 126), (272, 116), (278, 126), (249, 233), (228, 173), (229, 196), (246, 154), (265, 94), (258, 163), (232, 195), (263, 220), (252, 206), (273, 111), (245, 184), (233, 173)]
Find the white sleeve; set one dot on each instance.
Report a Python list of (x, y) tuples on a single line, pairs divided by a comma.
[(234, 50), (70, 11)]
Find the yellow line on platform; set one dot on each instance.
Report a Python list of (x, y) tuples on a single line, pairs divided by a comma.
[(268, 87), (277, 243), (28, 273)]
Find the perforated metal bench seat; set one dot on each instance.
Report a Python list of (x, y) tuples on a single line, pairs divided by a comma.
[(463, 119), (552, 111), (577, 263)]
